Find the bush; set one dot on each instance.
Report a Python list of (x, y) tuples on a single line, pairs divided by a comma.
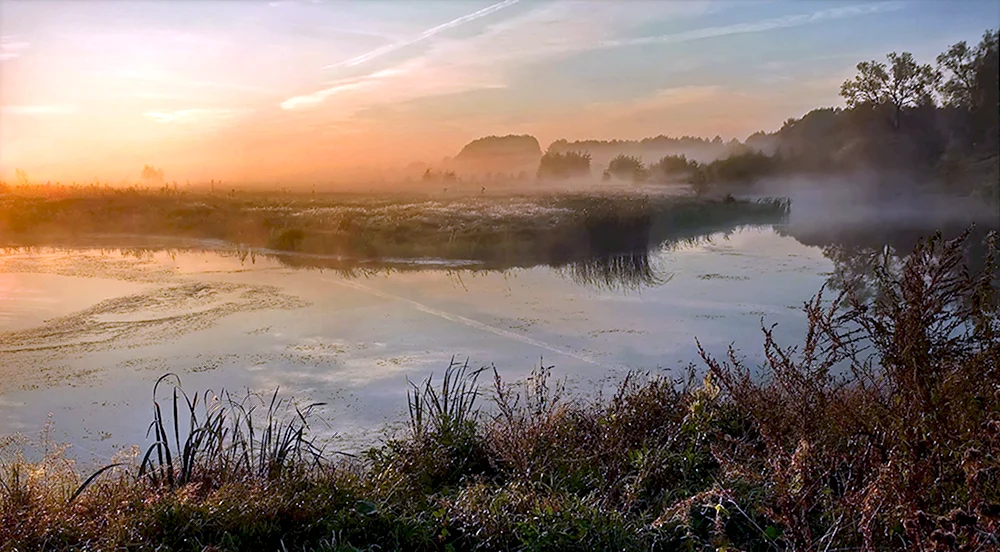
[(627, 167), (673, 167), (881, 431), (739, 169), (564, 165)]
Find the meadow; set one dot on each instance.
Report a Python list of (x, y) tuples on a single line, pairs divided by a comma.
[(512, 230)]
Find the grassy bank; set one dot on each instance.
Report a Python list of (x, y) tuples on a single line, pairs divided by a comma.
[(881, 430), (505, 231)]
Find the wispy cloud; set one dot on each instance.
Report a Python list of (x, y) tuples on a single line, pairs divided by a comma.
[(337, 87), (763, 25), (424, 35), (195, 115), (12, 47), (475, 62), (487, 58), (32, 110)]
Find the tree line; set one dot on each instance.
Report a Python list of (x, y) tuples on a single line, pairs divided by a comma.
[(937, 121)]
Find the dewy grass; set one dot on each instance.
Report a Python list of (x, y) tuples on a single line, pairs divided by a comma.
[(881, 431), (497, 232)]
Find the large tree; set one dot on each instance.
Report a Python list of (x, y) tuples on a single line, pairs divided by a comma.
[(971, 83), (900, 84), (968, 71)]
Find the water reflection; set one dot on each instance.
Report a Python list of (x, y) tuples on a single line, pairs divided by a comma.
[(219, 316), (627, 272), (616, 266), (614, 253), (857, 252)]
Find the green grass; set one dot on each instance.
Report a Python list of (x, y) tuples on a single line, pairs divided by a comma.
[(878, 431)]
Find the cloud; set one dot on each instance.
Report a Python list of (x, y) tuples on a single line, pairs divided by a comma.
[(424, 35), (32, 110), (11, 47), (487, 59), (841, 12), (477, 62), (337, 87), (194, 115)]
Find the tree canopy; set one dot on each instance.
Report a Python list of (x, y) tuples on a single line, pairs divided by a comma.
[(510, 145), (627, 167), (151, 174), (564, 165), (897, 85)]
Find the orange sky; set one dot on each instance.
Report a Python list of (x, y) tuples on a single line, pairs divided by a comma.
[(294, 89)]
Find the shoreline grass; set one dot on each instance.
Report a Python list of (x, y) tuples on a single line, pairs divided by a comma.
[(516, 230), (880, 431)]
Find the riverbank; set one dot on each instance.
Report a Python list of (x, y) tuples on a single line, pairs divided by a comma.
[(902, 454)]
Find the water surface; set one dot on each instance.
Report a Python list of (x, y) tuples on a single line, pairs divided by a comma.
[(85, 332)]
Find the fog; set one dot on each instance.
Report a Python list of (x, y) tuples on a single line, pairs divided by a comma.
[(864, 201)]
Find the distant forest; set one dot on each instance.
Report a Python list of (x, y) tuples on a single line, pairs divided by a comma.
[(934, 123)]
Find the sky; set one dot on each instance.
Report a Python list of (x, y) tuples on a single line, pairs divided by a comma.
[(314, 89)]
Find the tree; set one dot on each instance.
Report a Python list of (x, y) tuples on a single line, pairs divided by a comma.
[(899, 85), (672, 166), (21, 177), (968, 71), (564, 165), (151, 175), (971, 84), (627, 167)]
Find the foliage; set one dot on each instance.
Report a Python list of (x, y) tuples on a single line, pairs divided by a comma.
[(878, 431), (151, 175), (969, 72), (627, 167), (509, 145), (563, 165), (673, 166), (901, 84), (21, 177), (739, 169), (971, 85)]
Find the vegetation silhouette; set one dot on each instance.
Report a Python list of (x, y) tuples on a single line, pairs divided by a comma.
[(555, 166)]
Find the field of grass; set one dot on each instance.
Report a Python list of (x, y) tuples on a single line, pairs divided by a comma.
[(497, 232), (880, 431)]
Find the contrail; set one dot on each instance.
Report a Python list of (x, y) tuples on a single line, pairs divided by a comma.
[(424, 35), (841, 12), (466, 321)]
